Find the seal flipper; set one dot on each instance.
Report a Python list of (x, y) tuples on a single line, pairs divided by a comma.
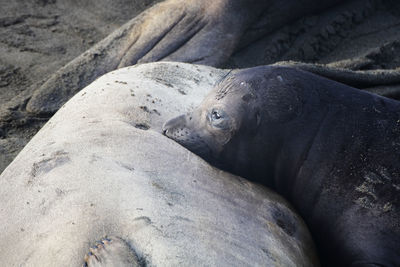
[(203, 32), (111, 252)]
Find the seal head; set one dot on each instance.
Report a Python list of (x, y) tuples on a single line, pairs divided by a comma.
[(226, 128)]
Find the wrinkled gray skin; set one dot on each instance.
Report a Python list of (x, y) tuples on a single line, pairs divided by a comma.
[(330, 149), (102, 168), (192, 31)]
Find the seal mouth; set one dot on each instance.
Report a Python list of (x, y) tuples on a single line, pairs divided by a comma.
[(201, 148), (197, 145), (175, 130)]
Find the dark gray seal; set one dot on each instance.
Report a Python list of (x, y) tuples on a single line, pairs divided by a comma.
[(330, 149)]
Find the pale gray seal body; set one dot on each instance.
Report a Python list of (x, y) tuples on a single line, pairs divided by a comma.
[(101, 168), (330, 149)]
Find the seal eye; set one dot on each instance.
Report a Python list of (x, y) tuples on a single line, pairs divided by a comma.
[(218, 119), (215, 115)]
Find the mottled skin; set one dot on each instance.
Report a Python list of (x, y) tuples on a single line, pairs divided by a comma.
[(330, 149)]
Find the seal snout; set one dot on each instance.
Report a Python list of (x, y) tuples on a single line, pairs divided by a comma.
[(173, 124)]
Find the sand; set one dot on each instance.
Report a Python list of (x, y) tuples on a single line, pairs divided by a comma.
[(37, 37)]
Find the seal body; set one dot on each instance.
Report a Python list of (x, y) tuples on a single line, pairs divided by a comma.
[(331, 149), (100, 169)]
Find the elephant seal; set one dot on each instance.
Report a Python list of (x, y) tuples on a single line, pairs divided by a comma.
[(101, 169), (333, 151), (193, 31)]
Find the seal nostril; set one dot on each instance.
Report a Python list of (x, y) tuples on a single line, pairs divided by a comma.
[(165, 128)]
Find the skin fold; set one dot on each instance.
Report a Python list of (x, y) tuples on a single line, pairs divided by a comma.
[(193, 31), (305, 132), (330, 149)]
